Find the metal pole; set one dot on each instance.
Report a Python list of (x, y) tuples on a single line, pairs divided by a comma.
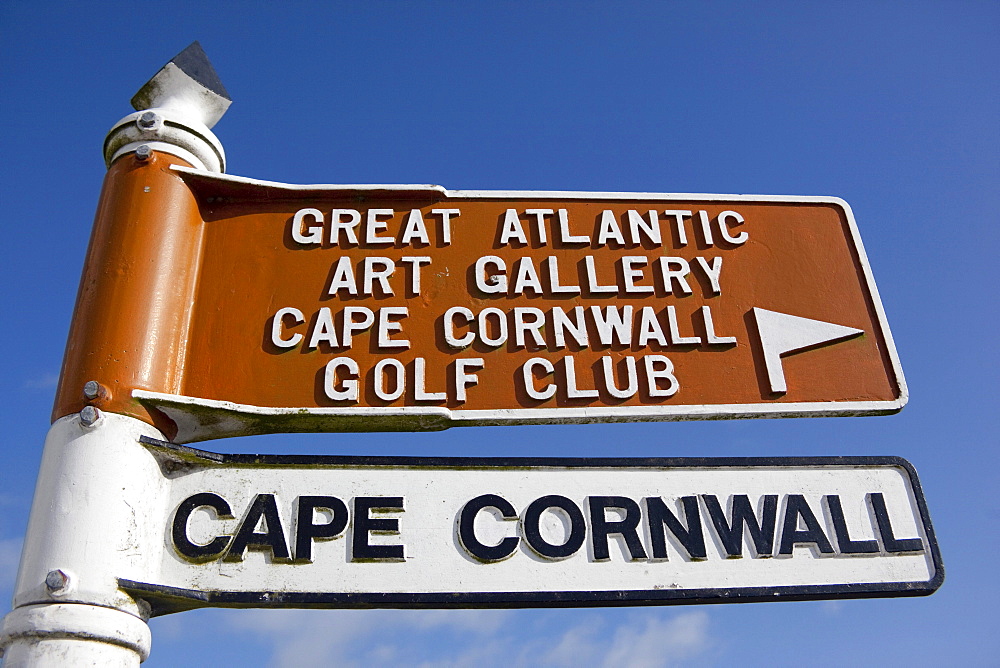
[(97, 484), (95, 487)]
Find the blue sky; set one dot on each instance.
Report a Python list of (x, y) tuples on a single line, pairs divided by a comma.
[(892, 106)]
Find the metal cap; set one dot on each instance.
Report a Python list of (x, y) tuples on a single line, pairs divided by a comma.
[(187, 85), (174, 113)]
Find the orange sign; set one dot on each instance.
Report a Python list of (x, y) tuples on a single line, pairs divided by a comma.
[(214, 306)]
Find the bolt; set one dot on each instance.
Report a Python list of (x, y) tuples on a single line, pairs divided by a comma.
[(144, 152), (56, 581), (89, 415), (148, 120), (493, 280), (92, 389)]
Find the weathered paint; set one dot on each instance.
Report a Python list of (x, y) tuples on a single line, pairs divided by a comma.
[(132, 319)]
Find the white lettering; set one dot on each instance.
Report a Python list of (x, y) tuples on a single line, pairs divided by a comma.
[(323, 331), (446, 215), (373, 226), (649, 327), (415, 262), (352, 327), (609, 229), (420, 383), (653, 375), (679, 231), (554, 286), (613, 324), (530, 320), (638, 227), (724, 218), (449, 327), (527, 372), (491, 283), (415, 228), (512, 228), (539, 215), (312, 234), (337, 225), (349, 385), (561, 325), (592, 285), (675, 335), (483, 329), (399, 381), (525, 277), (632, 378), (670, 275), (630, 274), (464, 380), (386, 327), (278, 321), (342, 278), (564, 232), (371, 274), (712, 272), (572, 391), (710, 336)]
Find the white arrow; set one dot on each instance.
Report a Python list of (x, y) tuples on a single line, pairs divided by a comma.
[(781, 334)]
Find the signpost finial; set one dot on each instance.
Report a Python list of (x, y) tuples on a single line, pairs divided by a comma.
[(174, 111), (187, 84)]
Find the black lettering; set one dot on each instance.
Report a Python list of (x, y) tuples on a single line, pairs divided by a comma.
[(691, 537), (731, 533), (844, 542), (626, 528), (183, 544), (273, 538), (467, 528), (306, 532), (364, 524), (889, 540), (797, 507), (533, 534)]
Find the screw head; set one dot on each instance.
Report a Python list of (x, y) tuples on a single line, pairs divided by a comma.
[(91, 389), (56, 581), (147, 120), (143, 152), (89, 415)]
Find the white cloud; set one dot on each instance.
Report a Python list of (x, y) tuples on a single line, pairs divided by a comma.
[(831, 607), (458, 638), (307, 638), (577, 646), (659, 642), (45, 381), (643, 640)]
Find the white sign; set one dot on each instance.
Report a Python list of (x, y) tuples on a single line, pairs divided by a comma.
[(252, 531)]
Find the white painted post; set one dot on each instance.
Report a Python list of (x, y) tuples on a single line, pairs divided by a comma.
[(95, 487)]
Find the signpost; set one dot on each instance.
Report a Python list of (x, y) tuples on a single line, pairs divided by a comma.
[(240, 306)]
